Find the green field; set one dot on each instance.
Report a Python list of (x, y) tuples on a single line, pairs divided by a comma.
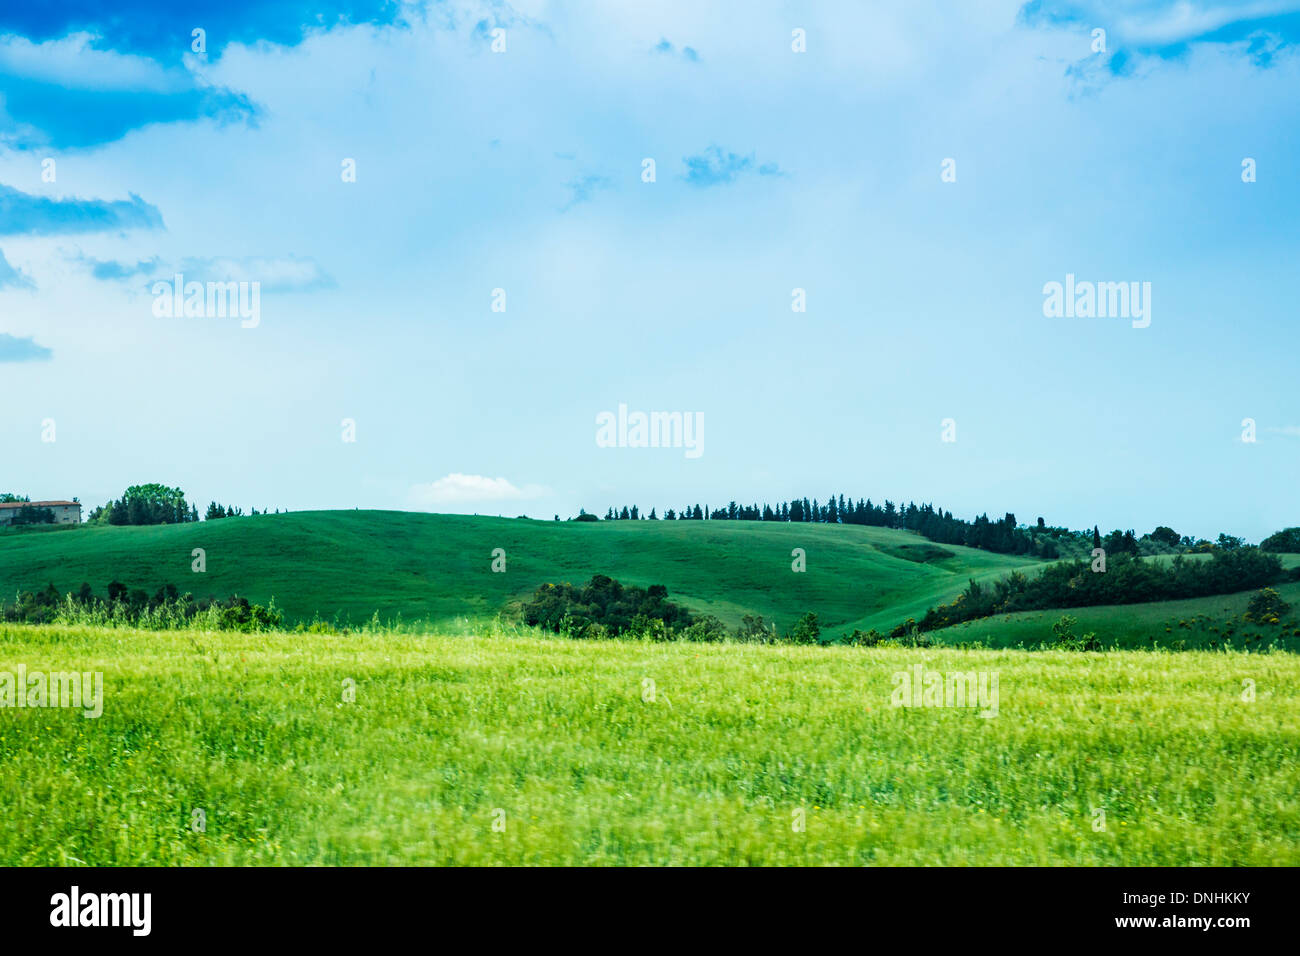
[(437, 568), (449, 729)]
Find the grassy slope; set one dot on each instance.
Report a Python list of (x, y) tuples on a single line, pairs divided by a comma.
[(438, 566), (447, 728), (1195, 623)]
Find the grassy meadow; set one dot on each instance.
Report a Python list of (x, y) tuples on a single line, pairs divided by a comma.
[(450, 729)]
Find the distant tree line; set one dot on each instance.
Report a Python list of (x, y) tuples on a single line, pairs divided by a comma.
[(158, 504), (1126, 580), (216, 511), (1002, 535)]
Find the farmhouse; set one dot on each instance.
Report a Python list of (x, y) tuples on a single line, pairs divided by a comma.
[(65, 512)]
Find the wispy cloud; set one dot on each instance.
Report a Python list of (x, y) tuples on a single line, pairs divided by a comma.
[(108, 270), (459, 490), (22, 214), (665, 48), (11, 278), (714, 167), (1163, 30), (14, 349), (274, 274), (581, 190)]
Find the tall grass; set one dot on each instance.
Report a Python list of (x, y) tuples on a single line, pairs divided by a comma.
[(163, 616), (635, 752)]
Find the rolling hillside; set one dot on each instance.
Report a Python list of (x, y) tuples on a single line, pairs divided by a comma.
[(1194, 623), (437, 567)]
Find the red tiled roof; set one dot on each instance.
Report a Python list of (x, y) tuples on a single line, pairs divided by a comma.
[(40, 504)]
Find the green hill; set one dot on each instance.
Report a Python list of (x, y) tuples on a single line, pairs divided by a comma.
[(1195, 623), (438, 567)]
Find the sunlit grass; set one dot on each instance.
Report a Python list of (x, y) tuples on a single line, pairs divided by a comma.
[(448, 731)]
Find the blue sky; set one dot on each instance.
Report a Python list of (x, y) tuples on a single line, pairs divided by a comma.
[(775, 170)]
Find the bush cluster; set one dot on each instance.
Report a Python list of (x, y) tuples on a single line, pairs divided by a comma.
[(605, 608), (166, 608)]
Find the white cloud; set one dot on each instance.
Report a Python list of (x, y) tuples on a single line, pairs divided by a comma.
[(1185, 21), (73, 62), (274, 273), (13, 277), (458, 489), (279, 274)]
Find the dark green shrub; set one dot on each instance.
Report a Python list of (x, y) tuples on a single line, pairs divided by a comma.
[(753, 629), (1065, 639), (1266, 606), (1287, 541), (705, 628), (864, 638), (806, 630), (603, 606)]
